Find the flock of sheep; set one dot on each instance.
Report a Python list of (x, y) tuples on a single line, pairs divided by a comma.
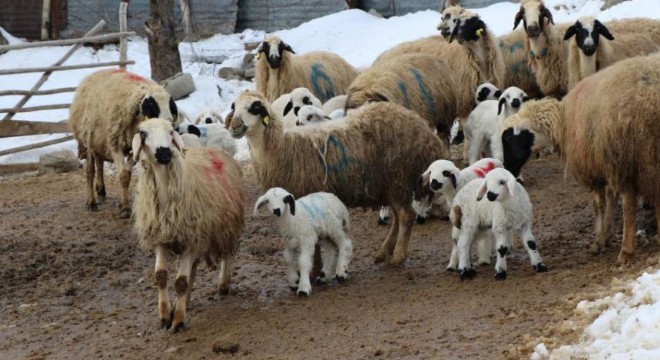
[(323, 136)]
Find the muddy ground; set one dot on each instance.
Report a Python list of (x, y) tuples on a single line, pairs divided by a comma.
[(75, 285)]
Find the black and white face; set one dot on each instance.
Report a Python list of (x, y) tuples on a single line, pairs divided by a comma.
[(487, 91), (533, 15), (587, 31), (449, 20), (512, 97), (156, 142), (441, 175), (159, 105), (207, 116), (468, 30), (310, 114), (273, 48), (498, 185), (249, 115), (298, 98), (278, 201)]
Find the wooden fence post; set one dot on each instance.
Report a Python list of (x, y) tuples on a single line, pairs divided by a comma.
[(123, 27)]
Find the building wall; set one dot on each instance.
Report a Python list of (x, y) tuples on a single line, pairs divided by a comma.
[(21, 18), (272, 15)]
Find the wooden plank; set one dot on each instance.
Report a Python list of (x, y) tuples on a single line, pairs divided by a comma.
[(35, 108), (39, 92), (22, 128), (61, 61), (9, 169), (45, 20), (36, 146), (63, 67), (123, 27), (90, 39)]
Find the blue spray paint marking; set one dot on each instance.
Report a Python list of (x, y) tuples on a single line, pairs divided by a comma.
[(403, 88), (344, 160), (426, 94), (311, 209), (324, 87), (516, 45)]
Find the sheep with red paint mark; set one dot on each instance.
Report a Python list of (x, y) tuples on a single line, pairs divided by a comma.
[(104, 116), (189, 205)]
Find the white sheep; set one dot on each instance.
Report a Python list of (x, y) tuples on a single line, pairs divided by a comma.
[(487, 91), (315, 218), (484, 126), (192, 207), (507, 209), (445, 179), (213, 135), (336, 103), (300, 97), (208, 116), (309, 114)]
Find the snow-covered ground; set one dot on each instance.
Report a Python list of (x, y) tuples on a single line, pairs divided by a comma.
[(627, 329)]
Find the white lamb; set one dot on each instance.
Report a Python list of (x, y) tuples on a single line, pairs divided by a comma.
[(211, 135), (485, 124), (444, 178), (208, 116), (309, 114), (298, 98), (317, 217), (507, 209)]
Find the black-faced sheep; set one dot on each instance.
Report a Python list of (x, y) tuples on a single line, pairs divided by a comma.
[(316, 218), (279, 71), (191, 207), (587, 54), (606, 130), (104, 115), (418, 82), (360, 159)]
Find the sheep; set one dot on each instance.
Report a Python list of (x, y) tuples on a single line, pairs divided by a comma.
[(418, 82), (445, 179), (297, 98), (212, 135), (449, 19), (508, 209), (190, 141), (484, 125), (336, 103), (208, 116), (486, 91), (106, 110), (606, 132), (586, 54), (310, 115), (191, 207), (279, 71), (316, 218), (359, 158)]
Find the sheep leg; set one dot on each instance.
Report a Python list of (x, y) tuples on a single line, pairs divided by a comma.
[(305, 263), (124, 170), (530, 244), (390, 241), (160, 272), (383, 215), (328, 254), (604, 202), (406, 221), (629, 227), (465, 238), (191, 283), (181, 286), (344, 253), (502, 242), (475, 150), (91, 199), (100, 183), (292, 271), (485, 246), (225, 274), (453, 258)]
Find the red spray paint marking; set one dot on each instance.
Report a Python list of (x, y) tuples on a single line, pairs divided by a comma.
[(481, 172), (216, 170), (129, 76)]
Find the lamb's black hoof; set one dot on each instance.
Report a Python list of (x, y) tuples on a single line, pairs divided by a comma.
[(382, 221), (294, 289), (321, 279), (340, 279), (302, 293), (420, 220), (540, 267), (93, 207), (466, 274), (178, 328), (165, 323), (500, 275), (451, 269), (224, 291)]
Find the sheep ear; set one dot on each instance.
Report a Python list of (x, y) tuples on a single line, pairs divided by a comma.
[(178, 142), (525, 98), (511, 184), (519, 17), (498, 93), (603, 30), (570, 32), (192, 129), (287, 47), (452, 177), (136, 146), (229, 117), (288, 107), (425, 178), (545, 13), (455, 31), (482, 190), (327, 117), (292, 203), (261, 201), (500, 104)]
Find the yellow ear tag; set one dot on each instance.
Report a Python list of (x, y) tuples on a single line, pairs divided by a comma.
[(184, 151), (258, 56), (265, 120), (480, 32)]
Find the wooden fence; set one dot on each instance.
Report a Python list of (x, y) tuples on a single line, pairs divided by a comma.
[(12, 128)]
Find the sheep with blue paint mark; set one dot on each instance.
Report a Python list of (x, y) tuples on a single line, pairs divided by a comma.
[(360, 158), (212, 135), (279, 71), (316, 218)]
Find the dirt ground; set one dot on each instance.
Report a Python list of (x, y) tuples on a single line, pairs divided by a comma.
[(75, 285)]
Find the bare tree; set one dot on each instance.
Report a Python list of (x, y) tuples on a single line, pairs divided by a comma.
[(163, 46)]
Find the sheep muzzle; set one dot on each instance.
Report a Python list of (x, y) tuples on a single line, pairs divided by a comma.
[(163, 155)]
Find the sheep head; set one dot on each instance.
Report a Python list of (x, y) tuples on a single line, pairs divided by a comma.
[(159, 104), (208, 116), (154, 142), (250, 114), (487, 91), (273, 48), (513, 97), (278, 201), (498, 185), (311, 114), (449, 20), (587, 31), (533, 14), (441, 175), (470, 28), (299, 97)]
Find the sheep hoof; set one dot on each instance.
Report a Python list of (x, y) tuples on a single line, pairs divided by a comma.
[(223, 290), (379, 259), (395, 260), (165, 323), (451, 268), (125, 214), (623, 258), (340, 279), (93, 206), (178, 328), (420, 220), (321, 279), (303, 293), (500, 275), (382, 221), (594, 249), (466, 274), (294, 289), (540, 267)]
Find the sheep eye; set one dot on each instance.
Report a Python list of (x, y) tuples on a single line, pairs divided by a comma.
[(446, 16), (233, 106), (455, 20), (255, 108), (502, 182), (306, 101), (309, 118), (143, 134)]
